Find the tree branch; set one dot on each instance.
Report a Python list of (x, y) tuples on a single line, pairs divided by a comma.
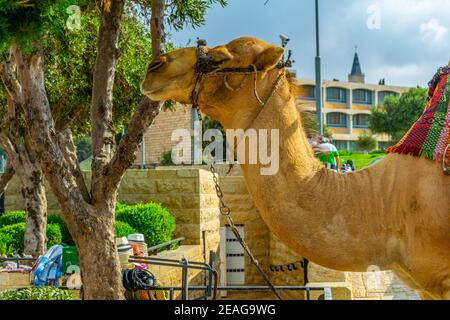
[(12, 85), (126, 152), (103, 141), (69, 152), (157, 28), (44, 140), (145, 113)]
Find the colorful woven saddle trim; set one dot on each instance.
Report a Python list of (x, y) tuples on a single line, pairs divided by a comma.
[(430, 135)]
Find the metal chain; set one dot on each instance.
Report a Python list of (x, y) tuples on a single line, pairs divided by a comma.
[(226, 211)]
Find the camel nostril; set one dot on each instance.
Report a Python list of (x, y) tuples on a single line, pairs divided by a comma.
[(155, 65)]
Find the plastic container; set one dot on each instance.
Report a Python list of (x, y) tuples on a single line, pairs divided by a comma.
[(69, 257), (140, 248), (124, 250)]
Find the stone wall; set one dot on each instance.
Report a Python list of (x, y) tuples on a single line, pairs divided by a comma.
[(157, 139), (379, 285), (187, 193)]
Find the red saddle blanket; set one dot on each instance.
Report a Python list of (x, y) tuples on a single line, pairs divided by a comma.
[(430, 135)]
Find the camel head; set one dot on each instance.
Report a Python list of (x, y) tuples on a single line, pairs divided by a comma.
[(227, 98)]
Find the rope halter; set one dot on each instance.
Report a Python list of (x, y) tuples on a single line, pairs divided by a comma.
[(206, 66)]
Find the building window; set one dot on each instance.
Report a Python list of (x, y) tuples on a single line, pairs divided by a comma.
[(362, 96), (336, 95), (308, 92), (340, 144), (383, 94), (361, 121), (337, 120)]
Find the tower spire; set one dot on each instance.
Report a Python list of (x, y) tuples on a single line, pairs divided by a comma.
[(356, 74)]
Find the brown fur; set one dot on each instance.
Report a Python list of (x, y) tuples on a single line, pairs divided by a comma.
[(395, 215)]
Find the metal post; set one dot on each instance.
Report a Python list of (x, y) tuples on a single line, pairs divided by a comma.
[(197, 138), (184, 280), (142, 164), (318, 75), (212, 260), (327, 294)]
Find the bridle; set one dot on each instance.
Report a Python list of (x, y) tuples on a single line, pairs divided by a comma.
[(207, 67)]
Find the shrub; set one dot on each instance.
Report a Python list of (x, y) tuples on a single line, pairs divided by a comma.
[(366, 142), (12, 237), (120, 206), (54, 235), (166, 159), (66, 237), (12, 217), (123, 229), (152, 220), (39, 293)]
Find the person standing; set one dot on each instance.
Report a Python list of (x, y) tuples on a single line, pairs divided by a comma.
[(328, 154)]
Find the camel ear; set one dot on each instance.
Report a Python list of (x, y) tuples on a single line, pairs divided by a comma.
[(220, 54), (269, 58)]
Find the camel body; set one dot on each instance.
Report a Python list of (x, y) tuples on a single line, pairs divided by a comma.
[(394, 215)]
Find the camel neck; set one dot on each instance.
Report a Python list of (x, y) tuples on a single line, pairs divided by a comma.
[(295, 154)]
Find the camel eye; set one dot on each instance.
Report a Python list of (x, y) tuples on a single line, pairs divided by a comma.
[(155, 65)]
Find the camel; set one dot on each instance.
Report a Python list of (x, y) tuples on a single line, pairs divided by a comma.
[(394, 215)]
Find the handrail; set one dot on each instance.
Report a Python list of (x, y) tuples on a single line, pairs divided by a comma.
[(154, 249)]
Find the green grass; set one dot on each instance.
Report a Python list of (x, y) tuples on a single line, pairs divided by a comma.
[(360, 160)]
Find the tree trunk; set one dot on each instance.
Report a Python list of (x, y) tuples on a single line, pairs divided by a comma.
[(22, 162), (89, 217), (100, 267), (33, 191)]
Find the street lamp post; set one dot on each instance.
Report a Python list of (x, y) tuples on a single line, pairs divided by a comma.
[(318, 76)]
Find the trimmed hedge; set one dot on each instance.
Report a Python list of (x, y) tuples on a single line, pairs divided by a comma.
[(151, 219), (123, 229), (39, 293), (12, 238), (54, 235), (12, 217), (66, 237), (120, 206)]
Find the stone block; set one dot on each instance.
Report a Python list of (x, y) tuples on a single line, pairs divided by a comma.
[(177, 186), (189, 231), (137, 185), (186, 216), (339, 290)]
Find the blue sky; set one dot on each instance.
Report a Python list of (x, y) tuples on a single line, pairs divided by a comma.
[(405, 45)]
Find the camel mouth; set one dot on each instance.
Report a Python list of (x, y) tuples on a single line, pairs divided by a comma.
[(150, 91)]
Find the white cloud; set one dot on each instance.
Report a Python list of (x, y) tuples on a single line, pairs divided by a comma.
[(433, 31)]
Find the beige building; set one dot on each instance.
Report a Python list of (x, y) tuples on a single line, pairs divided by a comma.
[(347, 105)]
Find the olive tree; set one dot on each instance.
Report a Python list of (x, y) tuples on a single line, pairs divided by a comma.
[(88, 212), (69, 61)]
